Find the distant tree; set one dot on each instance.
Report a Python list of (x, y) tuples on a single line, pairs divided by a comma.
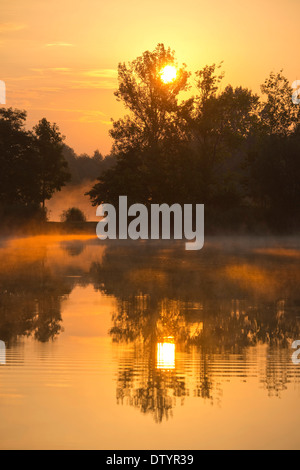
[(73, 215), (52, 167), (98, 156), (84, 167)]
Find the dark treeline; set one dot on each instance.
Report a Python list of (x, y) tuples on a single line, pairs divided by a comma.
[(85, 167), (228, 148)]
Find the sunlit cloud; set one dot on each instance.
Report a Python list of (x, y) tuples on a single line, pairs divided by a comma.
[(76, 115), (11, 27), (92, 116), (70, 78), (51, 69), (59, 44), (102, 73), (106, 123), (89, 85), (70, 110), (60, 69), (47, 89)]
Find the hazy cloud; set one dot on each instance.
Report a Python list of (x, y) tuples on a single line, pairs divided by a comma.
[(93, 117), (102, 73), (52, 69), (11, 27), (59, 44)]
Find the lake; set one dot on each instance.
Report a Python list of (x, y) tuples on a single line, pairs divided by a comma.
[(143, 345)]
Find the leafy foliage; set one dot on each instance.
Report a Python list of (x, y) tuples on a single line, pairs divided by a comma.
[(229, 149), (32, 163)]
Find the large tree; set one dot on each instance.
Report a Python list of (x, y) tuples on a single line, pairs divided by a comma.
[(273, 162), (16, 152), (148, 139), (32, 164), (225, 147), (220, 124), (52, 168), (170, 150)]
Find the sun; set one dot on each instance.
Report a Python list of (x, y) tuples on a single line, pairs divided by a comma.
[(168, 74)]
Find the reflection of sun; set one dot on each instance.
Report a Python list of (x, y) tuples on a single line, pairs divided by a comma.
[(168, 73), (165, 356)]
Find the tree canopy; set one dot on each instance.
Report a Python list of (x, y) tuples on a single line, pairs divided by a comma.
[(226, 147), (32, 163)]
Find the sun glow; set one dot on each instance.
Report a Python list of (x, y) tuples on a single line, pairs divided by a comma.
[(168, 74), (165, 356)]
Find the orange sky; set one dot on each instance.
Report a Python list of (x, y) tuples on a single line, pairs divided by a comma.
[(59, 57)]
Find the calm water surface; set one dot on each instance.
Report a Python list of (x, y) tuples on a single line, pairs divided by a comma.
[(147, 346)]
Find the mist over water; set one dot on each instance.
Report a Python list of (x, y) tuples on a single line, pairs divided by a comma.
[(71, 196), (149, 338)]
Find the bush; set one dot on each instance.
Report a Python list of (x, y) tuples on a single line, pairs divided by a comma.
[(73, 215)]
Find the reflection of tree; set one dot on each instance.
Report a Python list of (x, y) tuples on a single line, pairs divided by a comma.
[(73, 247), (153, 390), (30, 301), (253, 324), (241, 300), (275, 379), (204, 382), (144, 321), (215, 301)]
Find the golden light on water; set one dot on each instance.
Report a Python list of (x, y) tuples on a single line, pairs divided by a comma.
[(165, 356), (168, 74)]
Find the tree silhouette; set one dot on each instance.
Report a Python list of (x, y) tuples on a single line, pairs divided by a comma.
[(147, 142), (52, 168), (32, 165), (214, 304), (279, 116), (17, 159), (227, 148)]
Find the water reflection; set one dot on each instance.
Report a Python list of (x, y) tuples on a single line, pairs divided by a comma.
[(147, 380), (165, 354), (213, 306), (73, 247), (31, 291), (183, 322), (30, 302)]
